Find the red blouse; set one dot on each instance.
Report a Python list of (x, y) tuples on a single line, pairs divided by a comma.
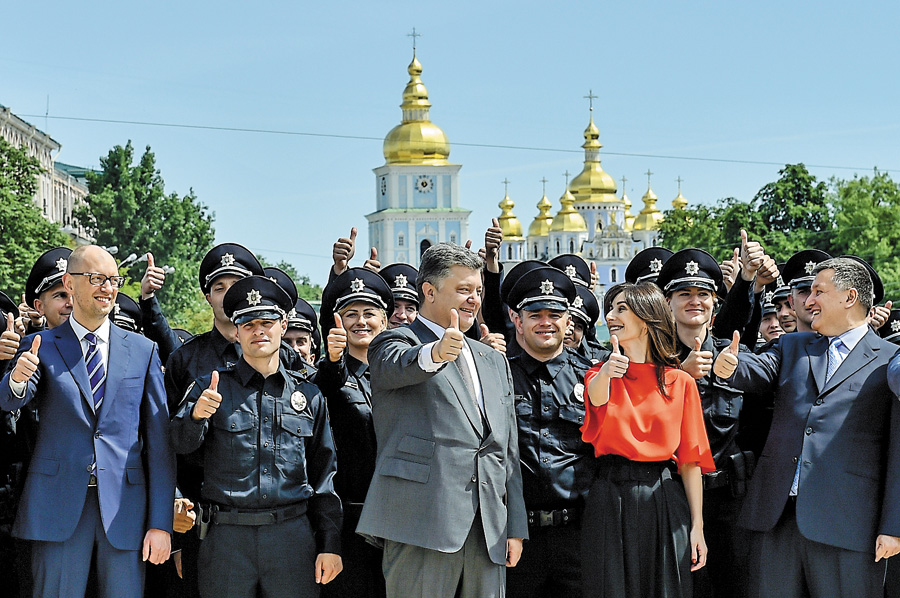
[(639, 423)]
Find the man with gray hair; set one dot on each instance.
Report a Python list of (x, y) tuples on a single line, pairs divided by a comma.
[(825, 499), (446, 498)]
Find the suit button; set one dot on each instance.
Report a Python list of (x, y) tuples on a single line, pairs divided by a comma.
[(96, 434), (474, 479), (809, 431), (89, 469), (796, 459), (819, 401)]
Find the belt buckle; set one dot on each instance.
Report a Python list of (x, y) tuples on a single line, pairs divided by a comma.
[(92, 481), (545, 518)]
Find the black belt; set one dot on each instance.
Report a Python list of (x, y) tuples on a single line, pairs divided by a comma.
[(221, 515), (716, 479), (617, 468), (560, 517), (92, 481)]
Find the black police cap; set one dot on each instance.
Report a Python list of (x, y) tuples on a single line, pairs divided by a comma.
[(46, 272), (256, 297), (182, 334), (798, 271), (543, 288), (302, 316), (126, 313), (585, 306), (891, 329), (691, 268), (513, 276), (780, 288), (877, 284), (357, 284), (574, 266), (282, 279), (228, 258), (402, 280), (7, 306), (646, 264)]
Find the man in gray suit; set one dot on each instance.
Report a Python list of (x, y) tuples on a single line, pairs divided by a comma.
[(825, 498), (446, 498)]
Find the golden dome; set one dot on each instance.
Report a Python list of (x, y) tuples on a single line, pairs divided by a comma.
[(568, 219), (540, 227), (679, 203), (629, 217), (593, 184), (416, 140), (650, 216), (509, 224)]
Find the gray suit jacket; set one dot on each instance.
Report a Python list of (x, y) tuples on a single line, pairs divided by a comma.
[(845, 433), (436, 466)]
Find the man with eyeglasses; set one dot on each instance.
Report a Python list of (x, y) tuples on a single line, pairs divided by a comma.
[(89, 494)]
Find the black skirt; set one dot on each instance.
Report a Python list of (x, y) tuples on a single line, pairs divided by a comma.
[(636, 532)]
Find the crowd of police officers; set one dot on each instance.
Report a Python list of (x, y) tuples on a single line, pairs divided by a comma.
[(247, 490)]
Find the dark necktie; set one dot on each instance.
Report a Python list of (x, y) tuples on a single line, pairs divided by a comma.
[(95, 369)]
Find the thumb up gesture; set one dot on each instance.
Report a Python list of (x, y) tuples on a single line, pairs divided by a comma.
[(617, 364), (153, 280), (451, 344), (9, 340), (337, 340), (372, 263), (28, 362), (727, 360), (698, 363), (209, 401)]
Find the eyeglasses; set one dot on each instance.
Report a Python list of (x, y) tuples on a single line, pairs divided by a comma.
[(98, 280)]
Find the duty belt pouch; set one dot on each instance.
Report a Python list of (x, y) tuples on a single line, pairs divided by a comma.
[(741, 466), (204, 517)]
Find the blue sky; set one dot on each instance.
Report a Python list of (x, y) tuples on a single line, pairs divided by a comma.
[(764, 81)]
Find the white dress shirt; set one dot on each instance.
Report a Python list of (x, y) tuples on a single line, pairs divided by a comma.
[(429, 365)]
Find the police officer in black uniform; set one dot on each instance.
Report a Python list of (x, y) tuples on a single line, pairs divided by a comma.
[(402, 280), (556, 464), (126, 314), (303, 334), (585, 312), (691, 280), (362, 299), (798, 274), (44, 291), (271, 515)]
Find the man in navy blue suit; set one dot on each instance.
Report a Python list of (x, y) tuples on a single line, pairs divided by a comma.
[(89, 491), (825, 498)]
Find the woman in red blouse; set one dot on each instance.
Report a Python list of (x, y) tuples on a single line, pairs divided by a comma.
[(642, 532)]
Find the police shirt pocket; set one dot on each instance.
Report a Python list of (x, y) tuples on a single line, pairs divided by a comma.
[(523, 406), (294, 430), (406, 470), (571, 434), (233, 449)]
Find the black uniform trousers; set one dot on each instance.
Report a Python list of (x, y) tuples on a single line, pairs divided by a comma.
[(362, 575), (550, 564), (727, 570), (791, 566)]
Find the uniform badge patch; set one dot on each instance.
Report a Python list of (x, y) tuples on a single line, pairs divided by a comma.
[(298, 400), (579, 392)]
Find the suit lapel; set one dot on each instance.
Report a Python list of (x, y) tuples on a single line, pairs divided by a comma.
[(116, 363), (817, 349), (488, 378), (69, 349), (862, 353)]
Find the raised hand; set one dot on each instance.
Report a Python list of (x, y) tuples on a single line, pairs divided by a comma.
[(28, 362), (451, 344), (372, 263), (336, 341), (493, 237), (698, 363), (494, 340), (153, 280), (342, 252), (209, 401), (730, 267), (9, 340), (617, 364), (879, 315), (752, 256), (767, 273), (727, 360), (595, 278), (26, 311)]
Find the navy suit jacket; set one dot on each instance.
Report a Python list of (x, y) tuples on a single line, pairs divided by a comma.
[(129, 437), (845, 433)]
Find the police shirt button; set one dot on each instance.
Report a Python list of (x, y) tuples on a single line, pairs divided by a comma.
[(232, 425), (796, 459), (809, 431), (265, 496), (546, 409), (545, 460), (546, 433), (265, 419), (265, 470), (266, 444), (474, 479), (579, 419), (299, 431)]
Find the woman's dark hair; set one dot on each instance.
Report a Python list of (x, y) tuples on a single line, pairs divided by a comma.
[(648, 303)]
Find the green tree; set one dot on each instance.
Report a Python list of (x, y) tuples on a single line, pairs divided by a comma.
[(24, 231), (128, 207), (305, 289)]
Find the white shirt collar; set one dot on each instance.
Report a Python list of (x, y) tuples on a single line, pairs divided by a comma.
[(102, 332), (437, 329), (852, 337)]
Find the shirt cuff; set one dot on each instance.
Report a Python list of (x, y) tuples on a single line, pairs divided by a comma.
[(425, 361), (18, 388)]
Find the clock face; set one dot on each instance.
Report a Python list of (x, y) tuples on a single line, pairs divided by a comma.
[(424, 184)]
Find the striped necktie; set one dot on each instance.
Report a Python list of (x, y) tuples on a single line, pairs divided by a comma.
[(96, 372), (834, 358)]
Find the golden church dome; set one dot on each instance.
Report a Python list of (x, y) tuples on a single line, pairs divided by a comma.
[(629, 217), (679, 203), (593, 184), (650, 216), (540, 227), (509, 224), (416, 140), (568, 219)]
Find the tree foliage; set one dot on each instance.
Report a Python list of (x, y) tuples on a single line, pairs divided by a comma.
[(26, 234), (129, 208), (305, 289)]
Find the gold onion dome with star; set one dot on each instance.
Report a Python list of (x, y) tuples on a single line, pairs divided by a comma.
[(593, 184), (568, 219), (540, 226), (650, 216), (509, 224), (416, 140)]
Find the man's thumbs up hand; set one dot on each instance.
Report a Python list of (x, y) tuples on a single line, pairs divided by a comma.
[(153, 280), (372, 263), (209, 401), (9, 340), (451, 344), (28, 362), (727, 360)]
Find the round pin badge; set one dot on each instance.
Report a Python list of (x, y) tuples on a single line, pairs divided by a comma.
[(298, 400), (579, 392)]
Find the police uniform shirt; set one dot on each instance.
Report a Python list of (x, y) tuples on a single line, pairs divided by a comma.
[(557, 466), (268, 445)]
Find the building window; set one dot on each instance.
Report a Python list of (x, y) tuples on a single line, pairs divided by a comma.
[(613, 275), (535, 254), (509, 252), (423, 246), (400, 240), (571, 246), (557, 247), (453, 237)]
